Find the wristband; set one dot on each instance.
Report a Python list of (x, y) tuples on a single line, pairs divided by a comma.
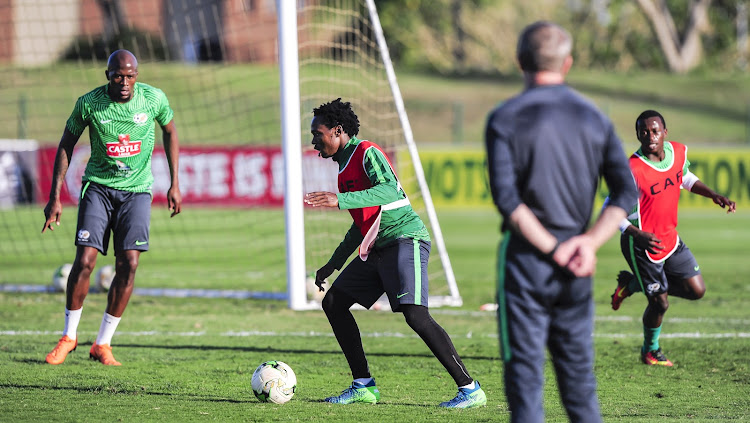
[(552, 252)]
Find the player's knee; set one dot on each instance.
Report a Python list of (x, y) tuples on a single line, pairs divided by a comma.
[(327, 303), (699, 289), (662, 305), (86, 264), (127, 267), (699, 292), (417, 317), (335, 302)]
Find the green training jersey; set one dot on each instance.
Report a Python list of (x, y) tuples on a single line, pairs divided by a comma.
[(402, 222), (121, 135)]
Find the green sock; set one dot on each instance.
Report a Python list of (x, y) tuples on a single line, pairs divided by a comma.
[(651, 338)]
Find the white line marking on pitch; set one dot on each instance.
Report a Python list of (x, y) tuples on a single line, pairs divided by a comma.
[(311, 334)]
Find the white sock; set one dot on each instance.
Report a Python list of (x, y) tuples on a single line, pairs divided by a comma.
[(363, 380), (72, 318), (107, 329), (470, 386)]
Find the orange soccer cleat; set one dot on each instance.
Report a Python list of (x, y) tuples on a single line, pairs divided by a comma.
[(64, 346), (621, 292), (103, 353), (655, 358)]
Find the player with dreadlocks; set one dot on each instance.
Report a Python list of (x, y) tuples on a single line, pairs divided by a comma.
[(394, 247)]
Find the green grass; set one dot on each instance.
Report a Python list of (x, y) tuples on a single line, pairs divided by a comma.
[(190, 359), (238, 104), (700, 110)]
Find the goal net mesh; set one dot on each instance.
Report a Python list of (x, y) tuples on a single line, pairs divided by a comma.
[(217, 63)]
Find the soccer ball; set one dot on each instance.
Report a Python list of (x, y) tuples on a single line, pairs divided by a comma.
[(274, 381), (314, 292), (104, 277), (60, 277)]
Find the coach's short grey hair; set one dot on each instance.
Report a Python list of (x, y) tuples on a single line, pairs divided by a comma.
[(543, 46)]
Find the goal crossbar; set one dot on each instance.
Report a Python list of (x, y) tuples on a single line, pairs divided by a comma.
[(291, 130)]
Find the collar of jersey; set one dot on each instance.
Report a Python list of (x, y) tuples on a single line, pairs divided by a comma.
[(664, 164), (342, 156)]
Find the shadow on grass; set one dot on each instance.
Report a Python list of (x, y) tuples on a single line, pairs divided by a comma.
[(95, 390), (289, 350), (181, 396), (254, 349)]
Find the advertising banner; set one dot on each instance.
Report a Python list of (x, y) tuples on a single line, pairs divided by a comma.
[(459, 178), (233, 176)]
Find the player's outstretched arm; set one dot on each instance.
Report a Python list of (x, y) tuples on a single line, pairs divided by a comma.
[(322, 199), (172, 150), (702, 189), (53, 209)]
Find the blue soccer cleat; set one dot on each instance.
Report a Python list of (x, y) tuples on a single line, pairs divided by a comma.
[(357, 392), (467, 398)]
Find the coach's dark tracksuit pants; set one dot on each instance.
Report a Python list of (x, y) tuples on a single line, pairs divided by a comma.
[(539, 306)]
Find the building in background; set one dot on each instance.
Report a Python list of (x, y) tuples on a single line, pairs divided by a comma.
[(42, 32)]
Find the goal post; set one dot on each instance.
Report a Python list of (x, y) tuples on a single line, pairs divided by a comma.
[(291, 143), (242, 78), (369, 25)]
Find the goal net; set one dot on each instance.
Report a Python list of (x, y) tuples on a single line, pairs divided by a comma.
[(217, 62)]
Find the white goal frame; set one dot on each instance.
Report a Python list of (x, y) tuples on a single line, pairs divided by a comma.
[(291, 122)]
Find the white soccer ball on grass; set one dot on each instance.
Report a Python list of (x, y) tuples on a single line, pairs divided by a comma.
[(60, 277), (274, 381), (313, 291), (104, 277)]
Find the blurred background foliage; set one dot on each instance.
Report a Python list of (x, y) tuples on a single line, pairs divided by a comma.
[(479, 36)]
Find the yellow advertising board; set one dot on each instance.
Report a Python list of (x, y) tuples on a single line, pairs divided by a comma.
[(459, 178)]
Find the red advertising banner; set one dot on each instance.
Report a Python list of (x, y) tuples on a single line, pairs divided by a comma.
[(234, 176)]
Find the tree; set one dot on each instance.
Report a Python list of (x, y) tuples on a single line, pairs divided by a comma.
[(683, 52)]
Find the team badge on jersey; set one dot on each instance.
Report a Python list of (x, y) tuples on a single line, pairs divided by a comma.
[(140, 118), (652, 287), (83, 235)]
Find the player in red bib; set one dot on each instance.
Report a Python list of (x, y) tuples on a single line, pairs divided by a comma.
[(394, 249), (662, 264)]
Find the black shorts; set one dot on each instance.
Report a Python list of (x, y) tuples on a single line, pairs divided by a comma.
[(103, 210), (399, 269), (655, 277)]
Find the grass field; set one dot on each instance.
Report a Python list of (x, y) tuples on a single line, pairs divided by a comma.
[(190, 359), (238, 104)]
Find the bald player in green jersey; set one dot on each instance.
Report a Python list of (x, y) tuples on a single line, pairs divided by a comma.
[(116, 192)]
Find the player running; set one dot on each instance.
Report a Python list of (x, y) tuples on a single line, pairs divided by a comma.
[(116, 192), (662, 264), (394, 247)]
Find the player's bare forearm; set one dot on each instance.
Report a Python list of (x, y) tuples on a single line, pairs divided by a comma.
[(702, 189), (62, 161), (53, 209), (321, 199), (172, 151)]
